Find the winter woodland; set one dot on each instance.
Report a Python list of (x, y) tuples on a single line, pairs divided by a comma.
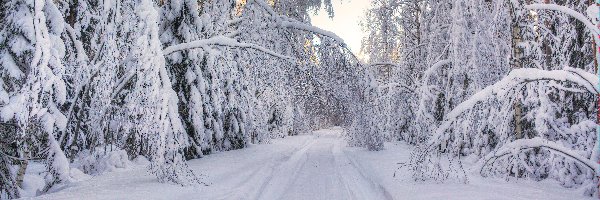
[(508, 84)]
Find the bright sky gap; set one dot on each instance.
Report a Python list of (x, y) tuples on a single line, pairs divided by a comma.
[(346, 22)]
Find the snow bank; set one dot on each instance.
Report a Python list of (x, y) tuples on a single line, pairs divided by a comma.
[(34, 181), (100, 162)]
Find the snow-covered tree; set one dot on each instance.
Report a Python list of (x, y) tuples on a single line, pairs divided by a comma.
[(154, 128), (182, 23), (497, 89), (33, 90)]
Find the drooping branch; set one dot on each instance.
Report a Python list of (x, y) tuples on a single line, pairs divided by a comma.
[(222, 41), (79, 50), (567, 11), (537, 142), (402, 86), (286, 22), (510, 82), (433, 68), (291, 23), (384, 64)]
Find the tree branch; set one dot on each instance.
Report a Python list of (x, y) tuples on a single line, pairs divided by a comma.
[(567, 11), (525, 144), (517, 77), (222, 41), (287, 22)]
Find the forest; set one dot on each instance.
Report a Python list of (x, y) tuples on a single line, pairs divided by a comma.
[(508, 85)]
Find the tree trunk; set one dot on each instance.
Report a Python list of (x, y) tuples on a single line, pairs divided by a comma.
[(22, 169), (516, 64)]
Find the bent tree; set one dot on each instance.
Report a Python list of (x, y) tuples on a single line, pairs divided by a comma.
[(553, 143)]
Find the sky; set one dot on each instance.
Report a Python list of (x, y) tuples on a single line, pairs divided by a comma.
[(346, 23)]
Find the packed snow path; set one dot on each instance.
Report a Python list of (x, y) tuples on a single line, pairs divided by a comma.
[(320, 170), (317, 166)]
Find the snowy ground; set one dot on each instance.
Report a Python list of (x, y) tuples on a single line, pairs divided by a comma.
[(317, 166)]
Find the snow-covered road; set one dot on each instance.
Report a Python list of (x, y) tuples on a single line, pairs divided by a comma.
[(317, 166), (320, 170)]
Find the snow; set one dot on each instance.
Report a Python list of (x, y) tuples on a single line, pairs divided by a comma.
[(59, 164), (100, 162), (10, 66), (6, 113), (317, 166), (33, 181)]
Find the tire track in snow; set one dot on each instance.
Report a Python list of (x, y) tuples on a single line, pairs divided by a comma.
[(246, 188), (317, 168), (334, 176), (363, 187), (279, 180)]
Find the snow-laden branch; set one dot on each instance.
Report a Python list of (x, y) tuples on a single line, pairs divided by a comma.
[(567, 11), (390, 64), (515, 78), (81, 56), (384, 64), (264, 6), (291, 23), (592, 79), (537, 142), (286, 22), (222, 41), (404, 87), (434, 68)]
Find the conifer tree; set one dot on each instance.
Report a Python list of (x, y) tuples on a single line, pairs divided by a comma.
[(33, 90)]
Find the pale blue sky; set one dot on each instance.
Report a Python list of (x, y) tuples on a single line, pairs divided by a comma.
[(346, 23)]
